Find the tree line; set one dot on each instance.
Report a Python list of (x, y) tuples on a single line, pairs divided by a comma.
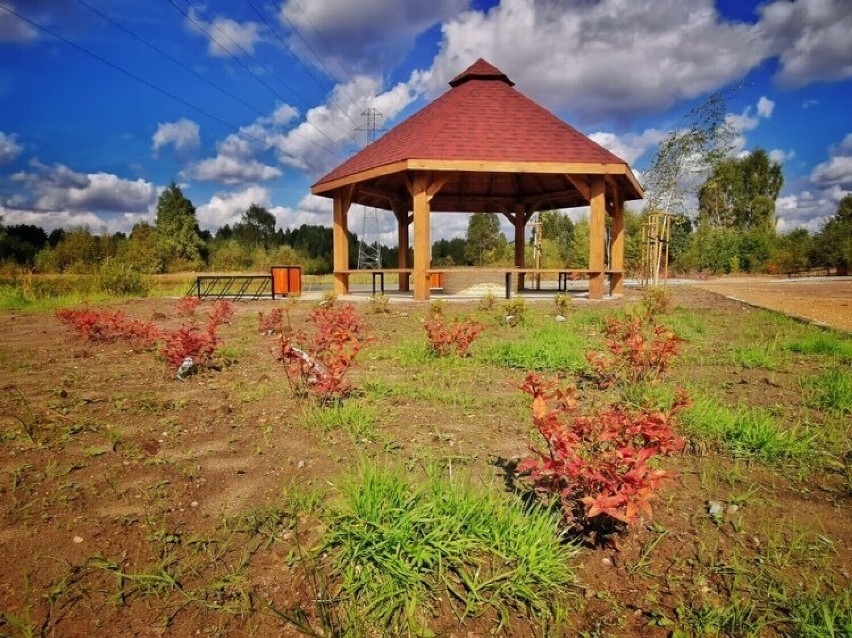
[(733, 231)]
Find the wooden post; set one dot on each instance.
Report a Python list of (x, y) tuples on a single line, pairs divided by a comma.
[(520, 223), (617, 245), (401, 213), (340, 237), (421, 237), (597, 230)]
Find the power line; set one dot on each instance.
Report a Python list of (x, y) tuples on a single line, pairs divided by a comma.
[(296, 57), (308, 44), (145, 82), (319, 38), (172, 58), (249, 69)]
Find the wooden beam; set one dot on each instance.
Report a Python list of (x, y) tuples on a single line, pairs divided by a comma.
[(509, 216), (392, 197), (617, 244), (422, 241), (597, 230), (581, 183), (565, 168), (402, 220), (340, 240), (520, 243)]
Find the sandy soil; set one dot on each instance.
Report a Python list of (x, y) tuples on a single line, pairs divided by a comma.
[(820, 299)]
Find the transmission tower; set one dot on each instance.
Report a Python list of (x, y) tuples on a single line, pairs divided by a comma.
[(369, 246)]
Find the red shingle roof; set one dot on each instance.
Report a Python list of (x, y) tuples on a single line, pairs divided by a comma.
[(481, 118)]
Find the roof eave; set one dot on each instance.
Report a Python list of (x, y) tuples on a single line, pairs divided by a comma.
[(326, 188)]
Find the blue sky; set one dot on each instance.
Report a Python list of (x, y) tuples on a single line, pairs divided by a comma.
[(246, 101)]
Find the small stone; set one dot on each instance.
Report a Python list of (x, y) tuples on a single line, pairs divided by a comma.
[(732, 509), (78, 539), (589, 593), (300, 465), (560, 319), (607, 561), (194, 504), (715, 509)]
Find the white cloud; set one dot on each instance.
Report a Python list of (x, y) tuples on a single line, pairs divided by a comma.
[(314, 145), (183, 135), (811, 38), (58, 188), (808, 208), (226, 37), (231, 170), (806, 104), (367, 36), (13, 29), (9, 148), (602, 59), (765, 106), (227, 208), (748, 120), (780, 155), (629, 146), (837, 171)]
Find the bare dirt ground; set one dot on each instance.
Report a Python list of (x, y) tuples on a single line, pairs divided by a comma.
[(132, 504), (823, 300)]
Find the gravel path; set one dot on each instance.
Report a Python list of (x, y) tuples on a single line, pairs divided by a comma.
[(824, 300)]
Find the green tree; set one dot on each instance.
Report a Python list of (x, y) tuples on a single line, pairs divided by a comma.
[(834, 241), (792, 251), (558, 228), (140, 249), (179, 243), (256, 227), (482, 239), (741, 192), (448, 252)]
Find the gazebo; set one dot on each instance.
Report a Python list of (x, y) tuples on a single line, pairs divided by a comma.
[(482, 146)]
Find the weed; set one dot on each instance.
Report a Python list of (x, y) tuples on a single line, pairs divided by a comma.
[(515, 311), (822, 615), (656, 301), (436, 307), (380, 304), (562, 303), (329, 299), (14, 405), (487, 302)]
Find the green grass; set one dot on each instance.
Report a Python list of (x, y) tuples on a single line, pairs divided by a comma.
[(823, 615), (756, 356), (745, 431), (822, 343), (355, 418), (397, 545), (554, 347), (830, 391)]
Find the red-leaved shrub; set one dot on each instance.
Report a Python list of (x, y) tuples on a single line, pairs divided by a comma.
[(106, 327), (446, 338), (186, 306), (222, 311), (316, 364), (190, 341), (598, 464), (271, 323), (639, 351)]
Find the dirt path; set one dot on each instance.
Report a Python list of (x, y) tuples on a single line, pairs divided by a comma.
[(825, 300)]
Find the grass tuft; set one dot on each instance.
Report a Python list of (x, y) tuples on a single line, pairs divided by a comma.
[(548, 348), (823, 343), (397, 546), (830, 391), (356, 418), (745, 431)]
